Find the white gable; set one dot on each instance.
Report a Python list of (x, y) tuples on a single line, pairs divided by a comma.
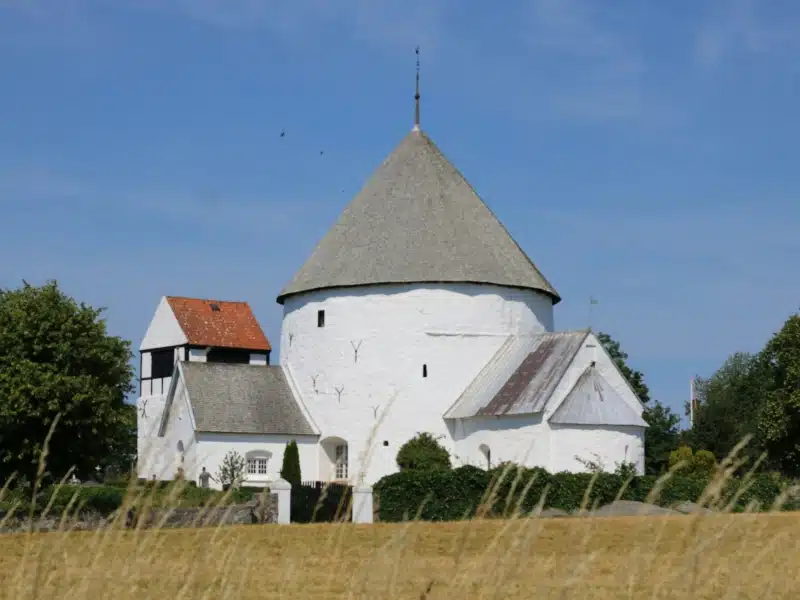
[(592, 351), (164, 330), (592, 401)]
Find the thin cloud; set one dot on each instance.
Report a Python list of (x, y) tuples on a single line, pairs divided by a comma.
[(706, 282), (561, 58), (745, 28), (37, 189)]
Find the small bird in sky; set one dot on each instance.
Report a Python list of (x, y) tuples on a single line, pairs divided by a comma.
[(283, 133)]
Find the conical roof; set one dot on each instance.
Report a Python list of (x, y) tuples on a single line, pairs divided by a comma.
[(417, 220)]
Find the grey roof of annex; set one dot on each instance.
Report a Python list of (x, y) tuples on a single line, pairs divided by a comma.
[(235, 398), (417, 220), (521, 377)]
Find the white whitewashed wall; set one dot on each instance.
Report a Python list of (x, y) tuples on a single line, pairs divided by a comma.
[(212, 447), (531, 441), (371, 353)]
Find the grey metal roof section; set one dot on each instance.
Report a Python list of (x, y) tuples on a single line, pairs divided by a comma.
[(417, 220), (231, 398), (592, 401), (521, 376)]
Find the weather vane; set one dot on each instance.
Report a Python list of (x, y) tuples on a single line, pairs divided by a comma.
[(416, 95)]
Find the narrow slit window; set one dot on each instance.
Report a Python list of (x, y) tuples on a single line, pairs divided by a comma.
[(320, 318), (424, 370)]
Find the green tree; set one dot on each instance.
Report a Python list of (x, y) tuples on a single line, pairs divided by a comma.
[(662, 435), (231, 472), (120, 461), (290, 469), (682, 455), (728, 407), (779, 417), (423, 452), (57, 357), (703, 462)]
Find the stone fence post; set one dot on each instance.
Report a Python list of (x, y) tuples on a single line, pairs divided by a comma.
[(283, 489), (362, 504)]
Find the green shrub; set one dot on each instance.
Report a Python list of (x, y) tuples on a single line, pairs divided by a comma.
[(290, 470), (703, 462), (423, 452), (452, 495), (231, 472), (99, 499), (681, 455)]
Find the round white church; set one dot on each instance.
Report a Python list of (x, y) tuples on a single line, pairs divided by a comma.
[(417, 312)]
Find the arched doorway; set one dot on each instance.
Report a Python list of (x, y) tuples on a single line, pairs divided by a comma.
[(334, 460)]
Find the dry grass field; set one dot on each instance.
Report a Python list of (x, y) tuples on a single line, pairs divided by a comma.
[(721, 556)]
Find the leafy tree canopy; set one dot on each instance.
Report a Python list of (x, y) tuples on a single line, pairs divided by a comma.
[(57, 357), (779, 415), (423, 452), (728, 405), (661, 437)]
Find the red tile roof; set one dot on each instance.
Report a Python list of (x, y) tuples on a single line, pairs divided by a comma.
[(232, 326)]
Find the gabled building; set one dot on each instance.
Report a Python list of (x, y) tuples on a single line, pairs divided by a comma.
[(416, 312), (206, 383)]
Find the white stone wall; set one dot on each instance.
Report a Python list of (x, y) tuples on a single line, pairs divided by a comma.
[(212, 447), (453, 329), (610, 445), (530, 441), (157, 455), (150, 407), (149, 445), (521, 439)]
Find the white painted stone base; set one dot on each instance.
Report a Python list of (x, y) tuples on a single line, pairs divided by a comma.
[(283, 489), (362, 504)]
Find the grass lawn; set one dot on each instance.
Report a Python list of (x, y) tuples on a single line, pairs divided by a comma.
[(725, 556)]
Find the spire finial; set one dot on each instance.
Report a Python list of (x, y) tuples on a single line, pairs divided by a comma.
[(416, 96)]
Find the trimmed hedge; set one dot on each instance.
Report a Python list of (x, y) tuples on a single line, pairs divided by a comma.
[(457, 494)]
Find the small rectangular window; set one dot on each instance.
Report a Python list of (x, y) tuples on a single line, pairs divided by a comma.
[(320, 318), (341, 461), (424, 370)]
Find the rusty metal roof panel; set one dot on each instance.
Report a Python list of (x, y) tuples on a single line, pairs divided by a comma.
[(592, 401), (521, 376)]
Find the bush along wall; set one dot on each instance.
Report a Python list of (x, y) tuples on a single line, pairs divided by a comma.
[(105, 499), (461, 493)]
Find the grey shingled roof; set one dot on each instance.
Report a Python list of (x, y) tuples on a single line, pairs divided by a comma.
[(521, 376), (231, 398), (417, 220), (592, 401)]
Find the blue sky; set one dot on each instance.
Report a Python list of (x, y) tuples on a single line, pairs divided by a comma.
[(641, 152)]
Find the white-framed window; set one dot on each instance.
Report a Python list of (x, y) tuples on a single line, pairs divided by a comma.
[(341, 461), (257, 466), (258, 463)]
